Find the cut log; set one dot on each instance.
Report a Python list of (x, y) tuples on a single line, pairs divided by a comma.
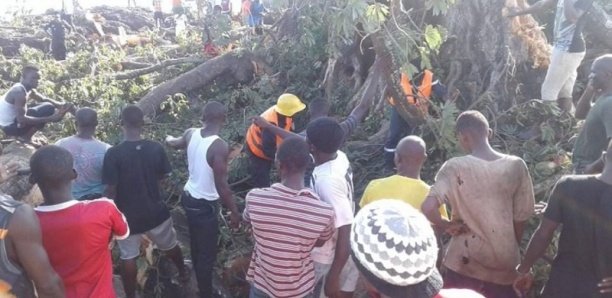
[(230, 68), (19, 187), (10, 44)]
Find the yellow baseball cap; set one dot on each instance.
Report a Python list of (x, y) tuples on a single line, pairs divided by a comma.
[(288, 105)]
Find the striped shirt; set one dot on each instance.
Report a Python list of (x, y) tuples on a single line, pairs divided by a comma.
[(286, 225)]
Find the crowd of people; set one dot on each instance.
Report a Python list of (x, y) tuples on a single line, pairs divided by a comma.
[(459, 237)]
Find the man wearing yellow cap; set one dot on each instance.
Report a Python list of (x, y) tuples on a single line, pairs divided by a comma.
[(262, 143)]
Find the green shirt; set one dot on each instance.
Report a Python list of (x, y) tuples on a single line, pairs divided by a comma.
[(597, 129)]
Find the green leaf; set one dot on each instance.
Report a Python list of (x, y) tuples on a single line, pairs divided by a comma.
[(433, 37)]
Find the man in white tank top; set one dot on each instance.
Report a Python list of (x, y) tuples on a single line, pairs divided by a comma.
[(207, 158), (16, 119)]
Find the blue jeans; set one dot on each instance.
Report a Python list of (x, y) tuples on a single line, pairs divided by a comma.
[(257, 293), (202, 218), (398, 129)]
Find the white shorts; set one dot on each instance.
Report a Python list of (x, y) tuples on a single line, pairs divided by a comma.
[(561, 75)]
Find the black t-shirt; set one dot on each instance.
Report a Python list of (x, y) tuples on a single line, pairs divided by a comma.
[(136, 167), (583, 205)]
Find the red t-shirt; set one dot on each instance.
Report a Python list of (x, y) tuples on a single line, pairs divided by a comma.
[(76, 235)]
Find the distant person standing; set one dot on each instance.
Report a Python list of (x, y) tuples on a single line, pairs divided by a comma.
[(245, 11), (87, 227), (88, 154), (132, 172), (568, 48), (177, 7), (158, 15), (68, 12), (131, 3), (19, 120), (57, 30), (207, 158), (256, 16)]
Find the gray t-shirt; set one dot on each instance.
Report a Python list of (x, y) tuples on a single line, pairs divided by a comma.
[(593, 138), (88, 159)]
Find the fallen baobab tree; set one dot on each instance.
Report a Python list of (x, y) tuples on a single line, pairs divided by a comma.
[(231, 68)]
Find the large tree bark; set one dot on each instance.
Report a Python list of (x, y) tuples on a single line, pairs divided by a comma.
[(230, 68), (19, 186)]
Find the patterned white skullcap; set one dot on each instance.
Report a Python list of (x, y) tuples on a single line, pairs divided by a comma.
[(394, 242)]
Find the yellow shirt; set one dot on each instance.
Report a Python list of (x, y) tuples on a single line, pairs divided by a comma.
[(411, 191)]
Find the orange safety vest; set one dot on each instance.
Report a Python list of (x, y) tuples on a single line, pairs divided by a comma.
[(254, 134), (423, 92)]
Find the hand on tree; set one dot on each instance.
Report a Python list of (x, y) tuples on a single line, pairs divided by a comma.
[(605, 286), (522, 284), (332, 286), (8, 170)]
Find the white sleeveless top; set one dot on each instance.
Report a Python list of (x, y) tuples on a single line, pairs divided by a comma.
[(8, 114), (201, 183)]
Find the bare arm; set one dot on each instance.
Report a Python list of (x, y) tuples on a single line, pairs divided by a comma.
[(217, 157), (341, 255), (181, 142), (20, 104), (571, 13), (519, 229), (57, 104), (264, 124), (538, 244), (584, 104), (535, 8), (26, 240)]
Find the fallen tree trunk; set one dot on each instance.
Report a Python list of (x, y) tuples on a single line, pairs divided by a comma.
[(127, 75), (19, 187), (10, 45), (230, 68)]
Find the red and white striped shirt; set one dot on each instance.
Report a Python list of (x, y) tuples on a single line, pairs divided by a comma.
[(286, 225)]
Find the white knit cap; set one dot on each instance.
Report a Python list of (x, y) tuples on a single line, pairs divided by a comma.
[(394, 242)]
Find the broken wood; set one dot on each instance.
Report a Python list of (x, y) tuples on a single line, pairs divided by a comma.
[(127, 75), (230, 68)]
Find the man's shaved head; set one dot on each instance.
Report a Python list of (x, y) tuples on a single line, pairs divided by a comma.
[(410, 151), (601, 73), (411, 146), (86, 117), (472, 122), (214, 111)]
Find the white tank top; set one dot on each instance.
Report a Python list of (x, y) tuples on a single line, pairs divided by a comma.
[(201, 183), (7, 110)]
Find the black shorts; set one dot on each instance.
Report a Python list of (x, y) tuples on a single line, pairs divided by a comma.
[(158, 15)]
